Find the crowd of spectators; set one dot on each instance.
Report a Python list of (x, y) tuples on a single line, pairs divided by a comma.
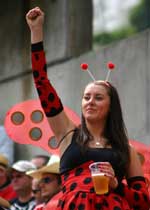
[(29, 184)]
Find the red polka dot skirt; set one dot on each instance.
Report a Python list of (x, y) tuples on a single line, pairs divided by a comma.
[(79, 194)]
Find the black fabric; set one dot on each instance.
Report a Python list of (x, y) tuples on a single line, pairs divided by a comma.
[(37, 47), (135, 178), (74, 156)]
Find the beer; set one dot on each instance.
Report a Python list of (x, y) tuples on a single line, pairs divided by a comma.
[(100, 182)]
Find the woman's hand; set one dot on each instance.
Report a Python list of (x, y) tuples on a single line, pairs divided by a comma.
[(107, 169), (35, 20)]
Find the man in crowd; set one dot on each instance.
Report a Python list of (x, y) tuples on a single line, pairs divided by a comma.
[(49, 182), (40, 160), (22, 184), (6, 190)]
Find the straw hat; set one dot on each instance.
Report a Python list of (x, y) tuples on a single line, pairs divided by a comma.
[(3, 161), (51, 167), (4, 203)]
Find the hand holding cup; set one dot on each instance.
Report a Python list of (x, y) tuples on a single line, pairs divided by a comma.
[(103, 177), (107, 169)]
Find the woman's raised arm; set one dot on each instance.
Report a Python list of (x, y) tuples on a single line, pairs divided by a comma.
[(50, 101)]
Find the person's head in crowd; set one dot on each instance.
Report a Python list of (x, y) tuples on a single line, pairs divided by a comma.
[(49, 178), (4, 175), (22, 183), (6, 190), (40, 160), (36, 191)]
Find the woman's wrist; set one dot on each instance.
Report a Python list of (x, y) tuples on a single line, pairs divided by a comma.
[(114, 183), (36, 36)]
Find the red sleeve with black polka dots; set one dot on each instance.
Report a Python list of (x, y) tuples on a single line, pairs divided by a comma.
[(49, 99), (136, 193)]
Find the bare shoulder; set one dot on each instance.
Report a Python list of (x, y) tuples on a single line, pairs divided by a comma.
[(133, 151), (135, 166)]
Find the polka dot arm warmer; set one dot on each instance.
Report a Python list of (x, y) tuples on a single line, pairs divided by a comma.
[(50, 101), (136, 193)]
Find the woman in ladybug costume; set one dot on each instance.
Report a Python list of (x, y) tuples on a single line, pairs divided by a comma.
[(101, 137)]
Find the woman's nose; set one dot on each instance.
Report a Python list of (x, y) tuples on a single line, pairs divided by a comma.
[(91, 100)]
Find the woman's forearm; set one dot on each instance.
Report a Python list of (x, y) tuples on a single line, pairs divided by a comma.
[(36, 35), (50, 101)]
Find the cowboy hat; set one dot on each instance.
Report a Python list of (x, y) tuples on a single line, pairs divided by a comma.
[(51, 167), (4, 203), (4, 163)]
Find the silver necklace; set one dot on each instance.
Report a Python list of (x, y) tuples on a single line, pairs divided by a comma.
[(99, 144)]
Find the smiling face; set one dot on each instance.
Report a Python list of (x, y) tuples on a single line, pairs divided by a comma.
[(95, 102)]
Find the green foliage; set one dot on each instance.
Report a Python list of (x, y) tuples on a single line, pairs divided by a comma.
[(108, 37), (139, 15), (139, 18)]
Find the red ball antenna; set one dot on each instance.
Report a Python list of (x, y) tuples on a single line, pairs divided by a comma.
[(110, 67), (84, 67)]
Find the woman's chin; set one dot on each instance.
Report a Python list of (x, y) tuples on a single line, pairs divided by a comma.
[(90, 118)]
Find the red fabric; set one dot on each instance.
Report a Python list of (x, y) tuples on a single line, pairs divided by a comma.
[(49, 99), (8, 193), (147, 177), (78, 193), (144, 150), (21, 133), (39, 63), (137, 195), (39, 207), (52, 204)]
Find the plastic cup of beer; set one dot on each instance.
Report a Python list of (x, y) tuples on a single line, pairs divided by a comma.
[(100, 181)]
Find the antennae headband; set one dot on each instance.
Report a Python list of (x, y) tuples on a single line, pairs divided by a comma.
[(110, 67)]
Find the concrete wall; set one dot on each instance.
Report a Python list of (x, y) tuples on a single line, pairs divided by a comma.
[(67, 34), (131, 77), (65, 29)]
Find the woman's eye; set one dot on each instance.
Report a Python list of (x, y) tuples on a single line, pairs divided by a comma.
[(86, 98), (98, 98)]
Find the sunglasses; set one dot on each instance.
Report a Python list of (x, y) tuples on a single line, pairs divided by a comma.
[(47, 180), (35, 191), (17, 176)]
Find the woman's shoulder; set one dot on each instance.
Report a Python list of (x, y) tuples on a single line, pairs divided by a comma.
[(135, 166)]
